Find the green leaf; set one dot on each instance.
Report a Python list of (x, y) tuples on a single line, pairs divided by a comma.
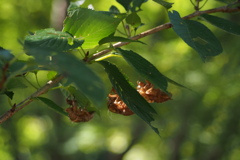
[(137, 4), (52, 105), (125, 4), (196, 35), (9, 94), (51, 75), (75, 70), (5, 56), (114, 9), (133, 7), (223, 24), (51, 39), (110, 39), (82, 100), (129, 94), (177, 84), (145, 69), (133, 19), (19, 67), (16, 82), (90, 25), (165, 4)]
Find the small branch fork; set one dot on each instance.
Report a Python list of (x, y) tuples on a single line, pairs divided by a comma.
[(17, 107)]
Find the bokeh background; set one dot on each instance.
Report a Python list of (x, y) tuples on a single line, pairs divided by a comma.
[(195, 125)]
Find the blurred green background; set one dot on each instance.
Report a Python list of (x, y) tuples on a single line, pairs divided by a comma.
[(204, 124)]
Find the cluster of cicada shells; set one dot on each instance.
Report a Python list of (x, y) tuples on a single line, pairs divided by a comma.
[(78, 114), (115, 104), (146, 90), (151, 94)]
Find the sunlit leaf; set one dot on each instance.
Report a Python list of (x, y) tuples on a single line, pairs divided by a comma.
[(145, 69), (196, 35), (51, 39), (90, 25), (223, 24), (51, 75), (52, 105), (165, 4), (129, 94)]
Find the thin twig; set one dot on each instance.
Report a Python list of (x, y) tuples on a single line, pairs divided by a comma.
[(15, 108), (45, 88), (162, 27)]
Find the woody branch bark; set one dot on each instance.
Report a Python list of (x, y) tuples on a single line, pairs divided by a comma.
[(46, 87)]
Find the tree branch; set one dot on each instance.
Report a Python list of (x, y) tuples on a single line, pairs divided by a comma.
[(162, 27), (16, 107)]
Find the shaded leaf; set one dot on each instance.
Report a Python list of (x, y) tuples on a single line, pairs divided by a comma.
[(5, 56), (223, 24), (145, 69), (125, 4), (52, 105), (196, 35), (16, 83), (75, 70), (114, 9), (165, 4), (137, 4), (51, 39), (129, 94), (82, 100), (20, 67), (90, 25), (133, 19), (9, 94)]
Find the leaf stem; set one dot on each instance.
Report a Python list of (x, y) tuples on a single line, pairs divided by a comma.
[(82, 50), (203, 4), (124, 27), (36, 76)]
